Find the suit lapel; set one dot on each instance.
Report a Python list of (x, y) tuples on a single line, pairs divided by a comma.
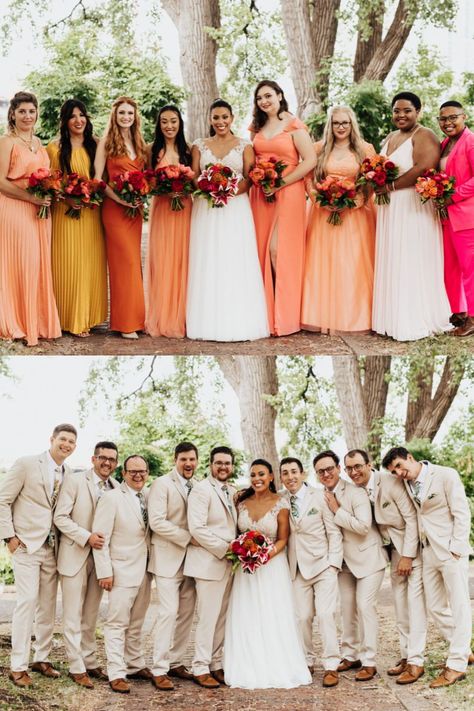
[(91, 486), (378, 487), (222, 497), (131, 504), (428, 482), (307, 502), (455, 149), (177, 485), (44, 471)]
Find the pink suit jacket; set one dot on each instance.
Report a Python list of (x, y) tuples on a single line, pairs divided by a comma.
[(460, 163)]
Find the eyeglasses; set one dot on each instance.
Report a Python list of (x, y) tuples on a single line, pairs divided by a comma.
[(449, 119), (110, 460), (357, 468), (327, 470), (134, 472), (227, 465), (341, 124)]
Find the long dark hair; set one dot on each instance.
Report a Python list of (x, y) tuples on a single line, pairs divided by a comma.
[(246, 493), (219, 104), (260, 118), (65, 148), (159, 142)]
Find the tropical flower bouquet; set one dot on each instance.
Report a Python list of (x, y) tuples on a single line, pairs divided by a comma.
[(83, 192), (174, 179), (43, 183), (249, 551), (267, 174), (436, 186), (337, 194), (377, 172), (218, 184), (131, 187)]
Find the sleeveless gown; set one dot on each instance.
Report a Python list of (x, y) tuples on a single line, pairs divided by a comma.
[(262, 647), (226, 299)]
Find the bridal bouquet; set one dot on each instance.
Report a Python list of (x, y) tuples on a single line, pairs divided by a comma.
[(267, 174), (174, 179), (43, 183), (337, 194), (436, 186), (250, 550), (377, 172), (218, 184), (83, 192), (132, 187)]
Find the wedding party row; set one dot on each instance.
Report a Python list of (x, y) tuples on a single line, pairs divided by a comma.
[(251, 568), (246, 240)]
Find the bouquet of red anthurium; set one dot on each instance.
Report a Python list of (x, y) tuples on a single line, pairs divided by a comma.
[(249, 551), (337, 194), (436, 186), (43, 183), (131, 187), (218, 184), (174, 179)]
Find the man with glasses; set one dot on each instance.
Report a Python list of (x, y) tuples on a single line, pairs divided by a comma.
[(364, 561), (457, 159), (121, 569), (81, 594), (212, 520), (396, 518)]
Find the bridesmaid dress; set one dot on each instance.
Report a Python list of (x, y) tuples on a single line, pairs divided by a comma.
[(123, 236), (287, 215), (27, 306)]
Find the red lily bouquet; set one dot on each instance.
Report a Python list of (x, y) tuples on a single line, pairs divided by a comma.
[(436, 186), (250, 550), (174, 179), (83, 192), (377, 172), (267, 174), (132, 187), (218, 184), (43, 183), (336, 193)]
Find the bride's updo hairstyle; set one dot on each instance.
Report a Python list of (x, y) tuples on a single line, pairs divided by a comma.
[(246, 493), (219, 104)]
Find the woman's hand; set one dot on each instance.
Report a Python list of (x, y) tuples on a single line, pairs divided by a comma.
[(72, 203), (46, 201)]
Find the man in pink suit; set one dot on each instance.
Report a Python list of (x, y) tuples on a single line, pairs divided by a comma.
[(457, 158)]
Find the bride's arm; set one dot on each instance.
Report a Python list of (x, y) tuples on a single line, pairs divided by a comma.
[(282, 533), (248, 161)]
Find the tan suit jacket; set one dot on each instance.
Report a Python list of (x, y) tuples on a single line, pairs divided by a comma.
[(213, 526), (395, 515), (124, 555), (362, 543), (73, 516), (167, 518), (444, 518), (315, 541), (25, 501)]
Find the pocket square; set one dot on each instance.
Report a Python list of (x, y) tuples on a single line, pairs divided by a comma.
[(311, 512), (385, 504)]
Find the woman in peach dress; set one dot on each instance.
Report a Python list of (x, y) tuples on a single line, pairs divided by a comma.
[(168, 241), (280, 225), (339, 271), (123, 149), (27, 306)]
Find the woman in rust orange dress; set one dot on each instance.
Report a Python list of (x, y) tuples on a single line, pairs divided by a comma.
[(168, 241), (280, 225), (123, 149), (27, 305)]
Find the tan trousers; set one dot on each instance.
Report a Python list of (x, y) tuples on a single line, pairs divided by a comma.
[(123, 629), (318, 596), (81, 601), (410, 611), (36, 582), (212, 602), (176, 601)]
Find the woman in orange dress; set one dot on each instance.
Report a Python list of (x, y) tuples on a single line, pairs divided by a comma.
[(27, 306), (123, 149), (280, 225), (168, 240), (339, 271)]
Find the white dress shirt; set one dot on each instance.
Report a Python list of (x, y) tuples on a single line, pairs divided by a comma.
[(421, 478), (56, 471)]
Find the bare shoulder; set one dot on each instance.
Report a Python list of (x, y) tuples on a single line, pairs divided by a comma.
[(6, 142), (426, 135)]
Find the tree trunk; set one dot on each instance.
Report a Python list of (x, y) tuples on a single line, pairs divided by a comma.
[(366, 46), (390, 47), (350, 394), (377, 370), (197, 58)]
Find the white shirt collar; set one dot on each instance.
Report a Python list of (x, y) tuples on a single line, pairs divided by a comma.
[(182, 480), (97, 479), (301, 493), (421, 478)]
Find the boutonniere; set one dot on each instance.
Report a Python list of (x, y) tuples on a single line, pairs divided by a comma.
[(311, 512), (385, 504), (431, 496)]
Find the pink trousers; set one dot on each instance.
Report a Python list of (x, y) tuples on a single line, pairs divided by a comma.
[(459, 268)]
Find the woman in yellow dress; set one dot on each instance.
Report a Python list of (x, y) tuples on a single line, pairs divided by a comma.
[(78, 246)]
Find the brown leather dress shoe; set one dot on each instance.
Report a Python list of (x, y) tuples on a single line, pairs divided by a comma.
[(411, 674), (218, 675), (206, 680), (121, 686), (446, 678), (466, 330), (346, 664), (97, 673), (366, 674), (330, 678), (45, 669), (399, 667), (141, 674), (181, 672), (163, 683), (470, 659), (82, 679), (21, 678)]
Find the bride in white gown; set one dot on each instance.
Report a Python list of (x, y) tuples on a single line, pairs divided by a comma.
[(262, 647), (225, 296)]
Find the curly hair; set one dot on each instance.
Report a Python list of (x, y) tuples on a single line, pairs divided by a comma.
[(65, 148), (21, 97), (356, 142), (114, 142), (260, 117)]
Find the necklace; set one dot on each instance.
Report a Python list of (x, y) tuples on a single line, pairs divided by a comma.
[(28, 143)]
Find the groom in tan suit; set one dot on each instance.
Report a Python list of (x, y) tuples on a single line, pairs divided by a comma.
[(212, 520), (315, 558), (81, 592), (28, 496), (444, 523)]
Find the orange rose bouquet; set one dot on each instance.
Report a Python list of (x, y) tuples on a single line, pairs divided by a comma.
[(377, 172), (43, 183), (131, 187), (436, 186), (82, 192), (267, 174), (174, 179), (249, 551), (337, 194)]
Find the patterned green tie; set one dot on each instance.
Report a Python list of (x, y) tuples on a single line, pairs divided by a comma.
[(416, 491), (294, 506), (225, 489), (142, 501), (188, 486)]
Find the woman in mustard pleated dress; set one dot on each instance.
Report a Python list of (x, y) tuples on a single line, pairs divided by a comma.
[(78, 247)]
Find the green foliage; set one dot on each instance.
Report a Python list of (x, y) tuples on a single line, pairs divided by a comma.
[(6, 568)]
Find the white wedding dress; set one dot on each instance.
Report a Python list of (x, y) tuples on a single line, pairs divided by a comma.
[(262, 646), (226, 297)]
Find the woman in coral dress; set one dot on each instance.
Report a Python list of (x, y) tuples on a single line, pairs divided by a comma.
[(281, 225), (168, 240), (78, 247), (27, 306), (339, 270), (123, 149)]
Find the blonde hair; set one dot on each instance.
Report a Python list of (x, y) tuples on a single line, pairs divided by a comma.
[(114, 142), (356, 142)]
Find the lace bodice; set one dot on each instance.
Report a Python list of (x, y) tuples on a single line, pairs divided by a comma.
[(233, 159), (268, 524)]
